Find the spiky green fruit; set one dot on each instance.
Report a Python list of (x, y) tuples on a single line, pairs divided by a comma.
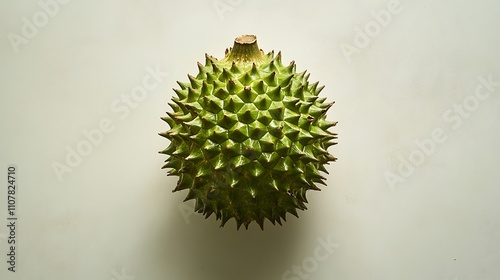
[(248, 136)]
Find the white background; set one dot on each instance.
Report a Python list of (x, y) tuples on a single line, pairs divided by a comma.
[(112, 215)]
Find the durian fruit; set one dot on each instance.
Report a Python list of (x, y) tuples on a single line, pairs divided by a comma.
[(248, 136)]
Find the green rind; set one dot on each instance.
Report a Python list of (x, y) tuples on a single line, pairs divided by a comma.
[(248, 140)]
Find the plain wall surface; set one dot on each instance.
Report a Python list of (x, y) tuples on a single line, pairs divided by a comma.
[(413, 195)]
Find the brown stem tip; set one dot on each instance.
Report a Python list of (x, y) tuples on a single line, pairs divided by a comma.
[(245, 50)]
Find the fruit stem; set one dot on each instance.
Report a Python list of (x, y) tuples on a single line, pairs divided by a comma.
[(245, 50)]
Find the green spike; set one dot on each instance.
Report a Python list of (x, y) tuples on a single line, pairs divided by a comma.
[(275, 94), (234, 68), (165, 134), (239, 133), (247, 94), (194, 107), (221, 93), (291, 117), (257, 130), (182, 150), (290, 68), (219, 162), (292, 103), (317, 132), (313, 86), (281, 148), (228, 120), (225, 218), (254, 72), (247, 115), (181, 93), (233, 87), (229, 148), (305, 122), (250, 149), (308, 155), (325, 125), (278, 59), (194, 125), (262, 102), (272, 66), (176, 108), (234, 104), (239, 161), (245, 79), (201, 71), (208, 121), (192, 95), (206, 89), (259, 86), (284, 164), (225, 76), (269, 159), (208, 60), (260, 221), (313, 110), (310, 98), (328, 144), (300, 76), (267, 143), (218, 134), (321, 100), (293, 211), (276, 129), (195, 83), (285, 81), (323, 169), (277, 111), (318, 150), (264, 117), (299, 93), (170, 149), (183, 85), (270, 79), (211, 104), (291, 131), (305, 106), (295, 153), (305, 137), (195, 156), (199, 138), (318, 90), (216, 69), (211, 78), (210, 149), (169, 120)]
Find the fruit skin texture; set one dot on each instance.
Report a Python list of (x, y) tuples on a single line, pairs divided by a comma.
[(248, 136)]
